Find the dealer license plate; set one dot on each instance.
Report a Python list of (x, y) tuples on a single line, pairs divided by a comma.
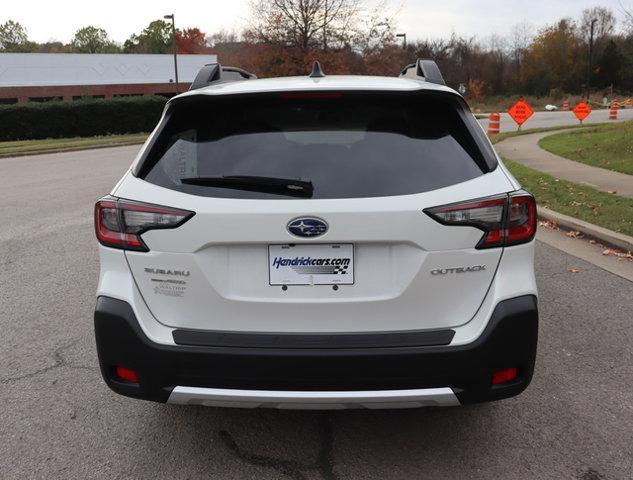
[(317, 264)]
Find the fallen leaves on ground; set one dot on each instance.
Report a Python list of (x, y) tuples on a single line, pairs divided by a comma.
[(551, 224), (574, 234), (617, 253), (573, 270)]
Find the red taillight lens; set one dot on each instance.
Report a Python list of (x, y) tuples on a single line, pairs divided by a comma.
[(486, 214), (126, 374), (504, 376), (505, 219), (521, 219), (120, 223)]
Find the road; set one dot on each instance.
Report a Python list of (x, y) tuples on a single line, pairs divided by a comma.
[(558, 118), (59, 420)]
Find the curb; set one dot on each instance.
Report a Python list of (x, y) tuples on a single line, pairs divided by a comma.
[(607, 237)]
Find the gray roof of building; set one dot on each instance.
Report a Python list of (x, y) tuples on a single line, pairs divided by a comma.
[(56, 69)]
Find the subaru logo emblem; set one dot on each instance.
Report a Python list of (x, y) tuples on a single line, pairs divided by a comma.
[(307, 227)]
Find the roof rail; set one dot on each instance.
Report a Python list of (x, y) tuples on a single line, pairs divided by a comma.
[(424, 69), (215, 73)]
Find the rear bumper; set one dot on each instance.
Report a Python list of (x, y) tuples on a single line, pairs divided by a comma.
[(219, 397), (378, 376)]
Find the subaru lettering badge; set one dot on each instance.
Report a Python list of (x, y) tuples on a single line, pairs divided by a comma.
[(307, 227)]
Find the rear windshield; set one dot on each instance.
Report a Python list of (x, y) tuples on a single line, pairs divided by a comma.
[(341, 145)]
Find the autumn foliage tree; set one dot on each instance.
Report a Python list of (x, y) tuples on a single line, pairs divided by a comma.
[(556, 59), (191, 41)]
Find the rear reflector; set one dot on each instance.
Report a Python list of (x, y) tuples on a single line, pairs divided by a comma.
[(125, 374), (504, 376), (120, 223), (508, 219)]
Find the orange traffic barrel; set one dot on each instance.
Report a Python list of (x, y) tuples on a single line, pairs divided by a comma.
[(613, 113), (494, 123), (566, 106)]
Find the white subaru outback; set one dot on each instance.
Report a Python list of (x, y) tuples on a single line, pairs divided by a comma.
[(317, 242)]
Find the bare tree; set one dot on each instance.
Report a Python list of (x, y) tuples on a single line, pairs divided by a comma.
[(438, 49), (373, 29), (319, 23), (336, 19), (604, 26), (222, 37), (521, 36), (628, 18)]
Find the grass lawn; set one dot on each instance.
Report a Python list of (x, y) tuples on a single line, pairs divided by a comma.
[(580, 201), (22, 147), (497, 137), (605, 146)]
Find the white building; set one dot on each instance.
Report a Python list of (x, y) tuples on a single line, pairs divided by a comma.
[(46, 76)]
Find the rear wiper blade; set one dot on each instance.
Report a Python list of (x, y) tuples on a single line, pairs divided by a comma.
[(251, 183)]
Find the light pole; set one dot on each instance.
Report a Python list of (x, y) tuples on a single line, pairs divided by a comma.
[(404, 39), (173, 31), (593, 24)]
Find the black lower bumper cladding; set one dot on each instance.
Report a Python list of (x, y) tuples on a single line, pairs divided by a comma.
[(509, 341)]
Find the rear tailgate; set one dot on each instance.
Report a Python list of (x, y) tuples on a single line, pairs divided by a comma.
[(374, 164), (213, 272)]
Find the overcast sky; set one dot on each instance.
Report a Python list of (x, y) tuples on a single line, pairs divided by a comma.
[(58, 19)]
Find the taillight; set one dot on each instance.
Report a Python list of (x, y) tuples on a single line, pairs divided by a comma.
[(508, 219), (120, 223), (521, 218)]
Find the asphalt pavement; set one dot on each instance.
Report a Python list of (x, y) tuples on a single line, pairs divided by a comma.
[(59, 420)]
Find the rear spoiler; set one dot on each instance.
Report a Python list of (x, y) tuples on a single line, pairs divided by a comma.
[(424, 69), (213, 73)]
